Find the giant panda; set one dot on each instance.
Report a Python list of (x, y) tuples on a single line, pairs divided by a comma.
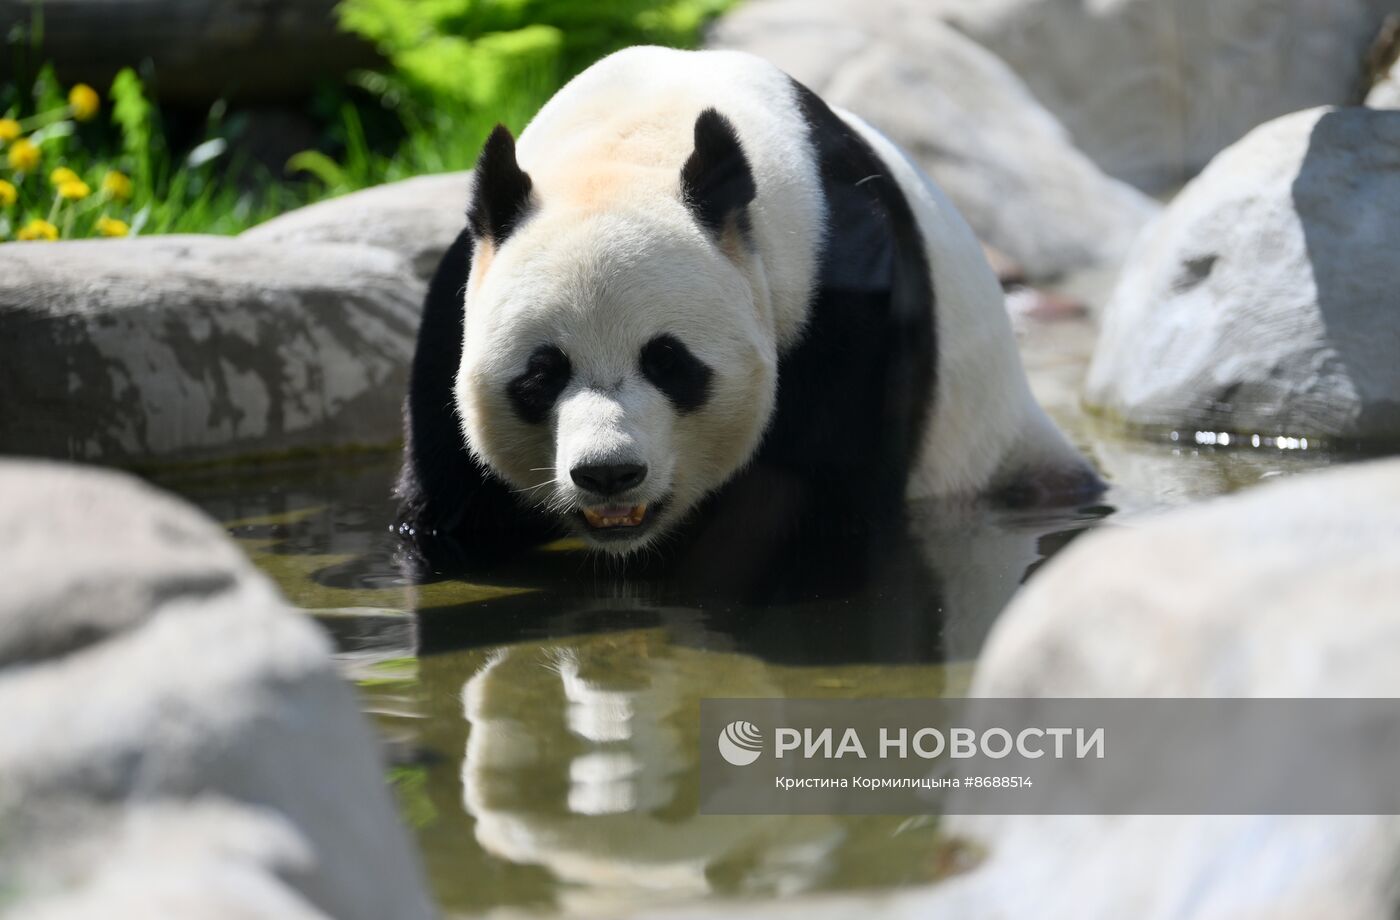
[(692, 285)]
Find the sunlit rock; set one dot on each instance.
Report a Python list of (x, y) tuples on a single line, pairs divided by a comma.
[(417, 218), (177, 742), (1239, 596), (1153, 89), (209, 860), (1264, 301), (1286, 590), (1006, 162), (198, 347)]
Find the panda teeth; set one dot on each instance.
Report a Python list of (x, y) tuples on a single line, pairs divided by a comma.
[(615, 515)]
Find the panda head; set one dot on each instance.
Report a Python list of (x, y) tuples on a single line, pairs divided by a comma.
[(619, 361)]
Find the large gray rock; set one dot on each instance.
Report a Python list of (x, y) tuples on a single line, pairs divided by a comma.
[(201, 50), (1287, 590), (1264, 300), (417, 218), (191, 347), (1152, 89), (961, 113), (206, 860), (160, 695)]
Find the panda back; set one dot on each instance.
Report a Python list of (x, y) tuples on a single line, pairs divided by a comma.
[(985, 435)]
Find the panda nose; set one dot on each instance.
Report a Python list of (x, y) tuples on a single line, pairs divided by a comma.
[(608, 479)]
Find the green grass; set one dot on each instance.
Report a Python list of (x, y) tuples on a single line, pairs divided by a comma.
[(455, 69), (119, 168)]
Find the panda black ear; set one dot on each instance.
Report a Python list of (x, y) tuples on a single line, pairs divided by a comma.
[(500, 191), (716, 181)]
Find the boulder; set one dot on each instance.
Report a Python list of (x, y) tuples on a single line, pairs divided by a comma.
[(1153, 89), (1264, 300), (417, 218), (1286, 590), (204, 860), (181, 348), (167, 713), (1236, 597), (200, 50), (962, 114)]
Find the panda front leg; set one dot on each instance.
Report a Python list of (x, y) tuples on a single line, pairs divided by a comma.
[(452, 510)]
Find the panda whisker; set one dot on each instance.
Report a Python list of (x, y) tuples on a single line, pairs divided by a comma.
[(558, 503), (529, 489), (654, 549)]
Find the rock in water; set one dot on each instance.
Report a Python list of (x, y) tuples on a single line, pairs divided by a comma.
[(1264, 300), (1152, 89), (1287, 590), (1241, 596), (967, 119), (177, 742), (178, 348)]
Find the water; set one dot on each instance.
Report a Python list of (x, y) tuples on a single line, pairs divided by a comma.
[(541, 720)]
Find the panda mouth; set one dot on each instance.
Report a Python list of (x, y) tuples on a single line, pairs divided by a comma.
[(621, 524), (615, 517)]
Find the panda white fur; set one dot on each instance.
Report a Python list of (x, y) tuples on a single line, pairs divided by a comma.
[(691, 279)]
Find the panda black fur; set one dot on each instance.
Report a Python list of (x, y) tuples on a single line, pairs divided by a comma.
[(694, 268)]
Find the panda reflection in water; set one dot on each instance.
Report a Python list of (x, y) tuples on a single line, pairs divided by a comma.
[(692, 288)]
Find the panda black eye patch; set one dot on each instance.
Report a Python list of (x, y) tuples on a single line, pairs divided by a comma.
[(675, 371), (534, 392)]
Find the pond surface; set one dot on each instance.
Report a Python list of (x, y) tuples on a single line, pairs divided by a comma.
[(542, 719)]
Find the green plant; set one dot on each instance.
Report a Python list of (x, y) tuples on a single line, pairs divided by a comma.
[(72, 165), (42, 194), (458, 67)]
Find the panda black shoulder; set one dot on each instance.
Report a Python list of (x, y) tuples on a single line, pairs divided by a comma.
[(448, 502), (855, 389)]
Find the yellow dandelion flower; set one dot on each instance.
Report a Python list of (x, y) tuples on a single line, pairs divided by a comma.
[(8, 194), (63, 174), (74, 190), (9, 130), (38, 230), (23, 156), (110, 226), (118, 185), (84, 102)]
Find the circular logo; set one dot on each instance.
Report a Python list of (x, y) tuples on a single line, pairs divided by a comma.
[(740, 743)]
